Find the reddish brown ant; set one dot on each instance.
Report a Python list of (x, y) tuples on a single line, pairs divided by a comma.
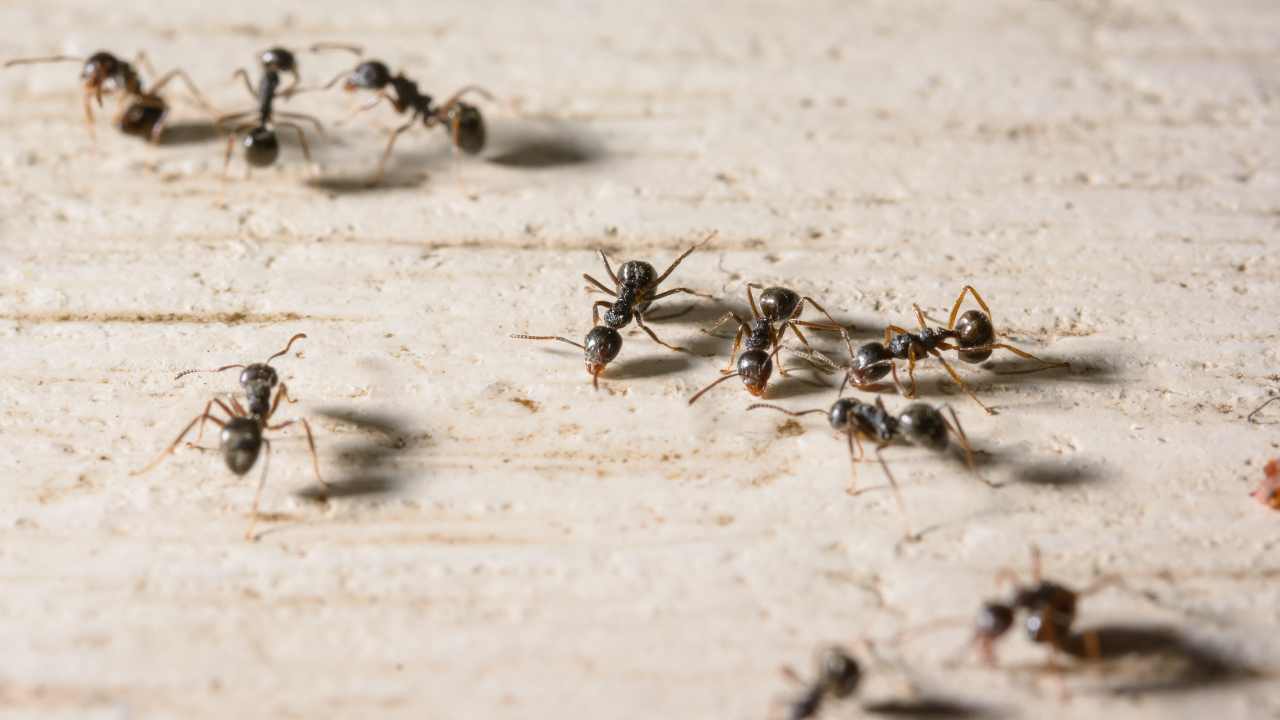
[(105, 74)]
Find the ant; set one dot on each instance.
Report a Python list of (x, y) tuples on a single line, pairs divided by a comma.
[(103, 74), (919, 424), (242, 433), (261, 145), (636, 288), (973, 337), (601, 346), (463, 121), (839, 676), (778, 306)]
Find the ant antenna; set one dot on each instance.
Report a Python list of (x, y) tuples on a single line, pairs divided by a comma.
[(1259, 409), (49, 59), (299, 336), (714, 383), (792, 413), (327, 46), (184, 373)]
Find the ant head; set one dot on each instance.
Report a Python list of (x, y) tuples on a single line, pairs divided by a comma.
[(602, 345), (370, 75), (778, 303), (841, 414), (261, 146), (871, 362), (974, 329), (923, 425), (994, 620), (466, 126), (98, 68), (755, 367), (839, 672), (241, 441), (279, 59), (637, 274)]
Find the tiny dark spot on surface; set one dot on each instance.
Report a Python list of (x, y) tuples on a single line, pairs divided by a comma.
[(790, 428), (528, 404)]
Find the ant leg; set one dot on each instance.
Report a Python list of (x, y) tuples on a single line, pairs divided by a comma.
[(599, 284), (205, 414), (714, 383), (911, 370), (453, 99), (1035, 563), (834, 326), (248, 84), (302, 140), (186, 80), (311, 443), (239, 410), (231, 143), (88, 115), (673, 291), (609, 269), (920, 317), (1046, 365), (640, 322), (257, 496), (891, 330), (377, 100), (144, 61), (1250, 417), (957, 429), (955, 309), (854, 459), (755, 312), (300, 116), (595, 311), (382, 164), (963, 386), (897, 494), (683, 255), (172, 446), (283, 392)]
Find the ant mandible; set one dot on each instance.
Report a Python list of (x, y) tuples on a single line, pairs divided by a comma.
[(261, 144), (463, 121), (778, 306), (600, 347), (635, 289), (104, 74), (919, 424), (974, 339), (242, 432)]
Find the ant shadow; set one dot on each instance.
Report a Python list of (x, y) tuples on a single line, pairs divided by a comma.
[(189, 133), (1188, 665), (1093, 370), (1056, 474), (930, 706), (361, 184), (553, 143), (367, 467), (647, 367)]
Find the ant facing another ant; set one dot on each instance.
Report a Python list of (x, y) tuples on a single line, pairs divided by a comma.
[(463, 121), (778, 306), (919, 424), (242, 432), (973, 336), (103, 74), (261, 144)]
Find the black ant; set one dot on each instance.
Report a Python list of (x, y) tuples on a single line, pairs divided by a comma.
[(600, 347), (974, 339), (463, 121), (778, 306), (919, 424), (261, 145), (104, 74), (242, 432), (636, 286), (839, 676)]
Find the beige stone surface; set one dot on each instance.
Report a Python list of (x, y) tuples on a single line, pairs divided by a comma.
[(520, 546)]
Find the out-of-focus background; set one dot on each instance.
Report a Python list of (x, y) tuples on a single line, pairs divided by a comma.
[(507, 542)]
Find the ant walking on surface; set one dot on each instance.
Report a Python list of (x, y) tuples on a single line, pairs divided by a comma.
[(463, 121), (779, 306), (600, 347), (919, 424), (242, 436), (261, 144), (972, 336), (104, 74)]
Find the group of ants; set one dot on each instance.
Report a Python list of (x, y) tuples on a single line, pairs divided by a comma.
[(1047, 609), (143, 111)]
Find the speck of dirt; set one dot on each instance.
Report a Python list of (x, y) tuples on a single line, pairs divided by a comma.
[(528, 404), (790, 428)]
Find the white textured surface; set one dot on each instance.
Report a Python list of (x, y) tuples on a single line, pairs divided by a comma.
[(1105, 172)]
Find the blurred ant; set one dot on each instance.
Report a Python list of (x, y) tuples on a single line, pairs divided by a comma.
[(261, 145), (104, 74), (778, 306), (839, 676), (974, 339), (600, 347), (463, 121), (919, 424), (1268, 490), (636, 288), (242, 432)]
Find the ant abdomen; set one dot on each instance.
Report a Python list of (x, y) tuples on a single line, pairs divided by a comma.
[(467, 126), (974, 329), (141, 119), (923, 425), (778, 303), (261, 147), (840, 672), (637, 274), (241, 442), (871, 362), (755, 367)]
